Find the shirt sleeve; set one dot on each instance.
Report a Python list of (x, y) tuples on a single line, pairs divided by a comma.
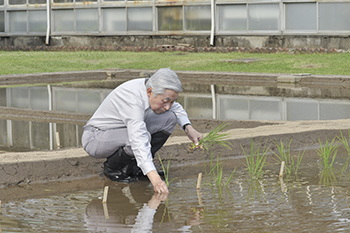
[(182, 117), (131, 112)]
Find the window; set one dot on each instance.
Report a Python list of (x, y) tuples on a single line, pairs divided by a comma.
[(232, 17), (17, 21), (263, 16), (86, 20), (170, 18), (140, 19), (334, 16), (2, 21), (114, 19), (198, 17), (37, 21), (63, 20), (301, 16)]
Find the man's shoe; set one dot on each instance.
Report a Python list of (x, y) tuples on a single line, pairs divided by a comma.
[(117, 175)]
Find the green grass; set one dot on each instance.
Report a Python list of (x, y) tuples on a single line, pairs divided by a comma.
[(20, 62)]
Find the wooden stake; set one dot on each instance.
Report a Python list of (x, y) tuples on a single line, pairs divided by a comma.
[(281, 169), (199, 197), (58, 140), (105, 194), (282, 185), (199, 180), (105, 210)]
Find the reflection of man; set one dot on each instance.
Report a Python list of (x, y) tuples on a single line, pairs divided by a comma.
[(133, 123), (124, 212)]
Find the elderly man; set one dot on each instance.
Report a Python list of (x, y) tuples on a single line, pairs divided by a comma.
[(133, 123)]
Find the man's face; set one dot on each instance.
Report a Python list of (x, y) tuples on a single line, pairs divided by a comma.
[(162, 102)]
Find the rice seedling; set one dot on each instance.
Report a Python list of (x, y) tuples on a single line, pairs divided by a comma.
[(327, 177), (214, 137), (166, 172), (255, 159), (327, 153), (291, 164)]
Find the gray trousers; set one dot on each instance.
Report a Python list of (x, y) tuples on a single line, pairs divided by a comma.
[(103, 143)]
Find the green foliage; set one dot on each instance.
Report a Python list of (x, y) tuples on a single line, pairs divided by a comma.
[(214, 137), (327, 153), (166, 172), (255, 160), (291, 164)]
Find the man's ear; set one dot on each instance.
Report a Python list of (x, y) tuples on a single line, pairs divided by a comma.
[(149, 91)]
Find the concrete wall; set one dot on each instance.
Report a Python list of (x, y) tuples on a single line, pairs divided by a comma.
[(290, 41)]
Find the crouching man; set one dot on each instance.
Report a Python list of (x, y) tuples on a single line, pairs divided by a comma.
[(133, 123)]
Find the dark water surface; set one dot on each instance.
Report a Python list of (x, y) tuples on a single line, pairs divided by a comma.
[(264, 205)]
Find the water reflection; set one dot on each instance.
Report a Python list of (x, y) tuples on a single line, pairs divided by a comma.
[(58, 99), (125, 210)]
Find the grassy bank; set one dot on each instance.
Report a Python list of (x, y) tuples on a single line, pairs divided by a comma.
[(20, 62)]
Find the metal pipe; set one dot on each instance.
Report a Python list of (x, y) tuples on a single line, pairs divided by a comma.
[(212, 22), (48, 22), (50, 108), (213, 99)]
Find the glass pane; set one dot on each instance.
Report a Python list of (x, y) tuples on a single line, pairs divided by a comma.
[(301, 16), (334, 111), (64, 100), (17, 2), (87, 20), (88, 101), (37, 21), (198, 17), (114, 19), (199, 107), (3, 134), (19, 97), (37, 1), (232, 17), (334, 16), (265, 110), (18, 21), (233, 109), (40, 135), (302, 110), (170, 18), (263, 16), (63, 20), (2, 21), (68, 135), (3, 101), (1, 2), (20, 134), (39, 98), (140, 19), (85, 0)]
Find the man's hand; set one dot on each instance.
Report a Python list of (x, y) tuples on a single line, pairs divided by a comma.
[(156, 199), (158, 184), (193, 135)]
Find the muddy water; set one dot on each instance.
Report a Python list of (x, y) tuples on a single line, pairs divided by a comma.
[(268, 204)]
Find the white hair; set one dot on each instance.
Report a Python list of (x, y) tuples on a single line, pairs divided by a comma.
[(164, 79)]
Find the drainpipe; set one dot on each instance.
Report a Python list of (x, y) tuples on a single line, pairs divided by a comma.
[(50, 109), (212, 22), (48, 22), (213, 99)]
